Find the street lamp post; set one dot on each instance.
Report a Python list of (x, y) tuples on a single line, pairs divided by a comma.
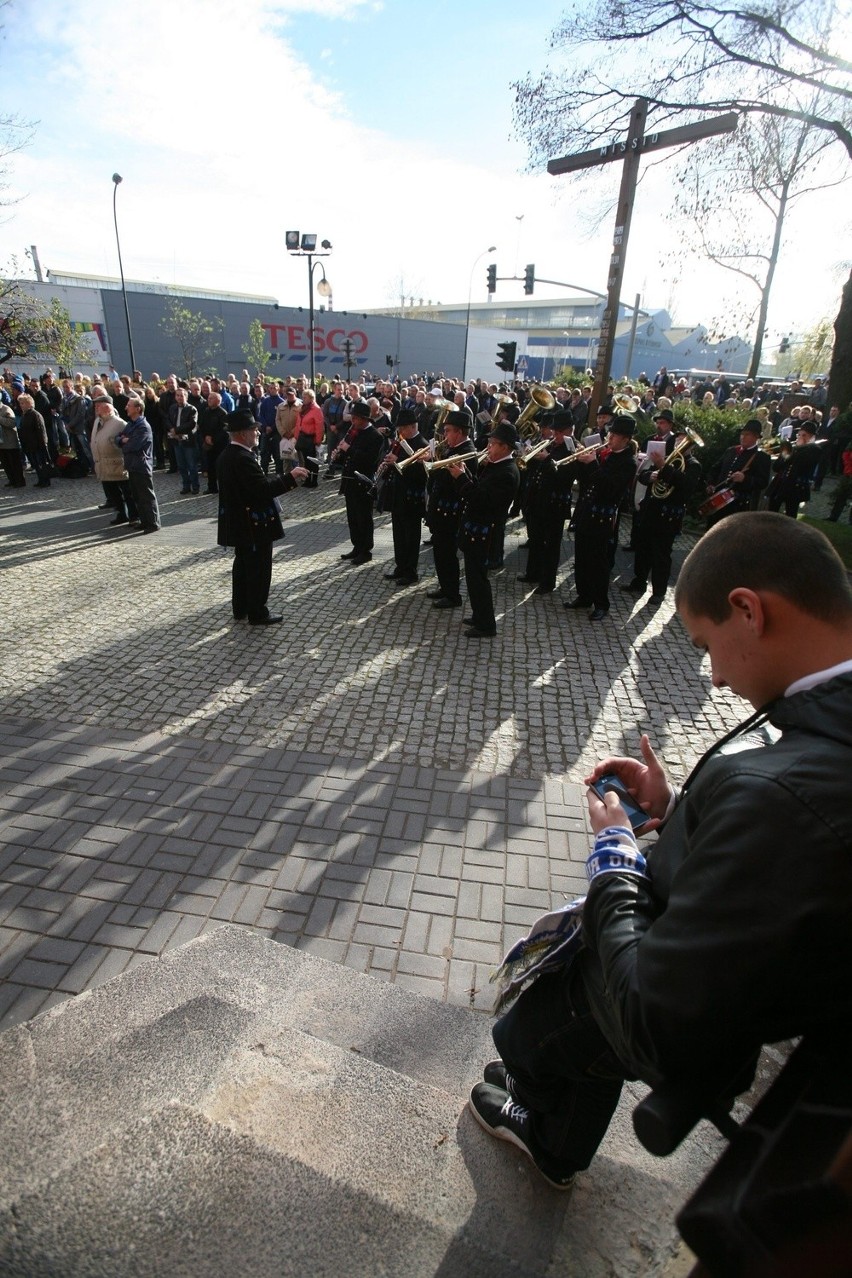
[(483, 254), (116, 178), (306, 246)]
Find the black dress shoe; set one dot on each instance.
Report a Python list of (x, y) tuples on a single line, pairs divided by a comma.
[(406, 581), (357, 560), (468, 621), (240, 616), (150, 530), (272, 619), (119, 519), (447, 603), (598, 614), (435, 594), (526, 578), (578, 603), (350, 555), (544, 590), (107, 506), (656, 600), (475, 633), (634, 587), (392, 576)]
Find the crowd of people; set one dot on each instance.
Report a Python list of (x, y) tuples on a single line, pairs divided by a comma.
[(457, 457)]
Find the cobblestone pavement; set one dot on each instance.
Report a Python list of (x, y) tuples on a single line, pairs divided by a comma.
[(360, 781)]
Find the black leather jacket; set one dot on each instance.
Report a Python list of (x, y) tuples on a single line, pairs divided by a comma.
[(741, 936)]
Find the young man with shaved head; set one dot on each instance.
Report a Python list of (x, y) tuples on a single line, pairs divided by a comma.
[(732, 929)]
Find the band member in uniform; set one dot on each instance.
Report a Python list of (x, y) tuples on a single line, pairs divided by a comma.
[(604, 477), (360, 453), (659, 518), (533, 473), (249, 519), (487, 502), (553, 506), (791, 484), (405, 497), (444, 513), (743, 471)]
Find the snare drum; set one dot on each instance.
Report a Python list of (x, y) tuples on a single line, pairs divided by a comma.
[(717, 501)]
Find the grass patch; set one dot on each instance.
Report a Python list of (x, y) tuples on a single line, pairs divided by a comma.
[(840, 536)]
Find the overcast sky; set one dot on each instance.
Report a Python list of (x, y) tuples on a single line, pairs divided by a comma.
[(385, 127)]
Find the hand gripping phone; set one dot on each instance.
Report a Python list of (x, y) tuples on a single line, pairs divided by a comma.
[(635, 815)]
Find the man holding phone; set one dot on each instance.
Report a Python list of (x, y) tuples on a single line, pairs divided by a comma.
[(693, 952)]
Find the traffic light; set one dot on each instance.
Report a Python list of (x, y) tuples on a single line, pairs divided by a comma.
[(785, 346), (492, 278), (529, 278), (506, 356)]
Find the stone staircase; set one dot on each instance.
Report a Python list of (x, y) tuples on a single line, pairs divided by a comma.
[(240, 1107)]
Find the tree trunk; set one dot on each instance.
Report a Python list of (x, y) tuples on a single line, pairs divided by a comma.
[(840, 375), (780, 214)]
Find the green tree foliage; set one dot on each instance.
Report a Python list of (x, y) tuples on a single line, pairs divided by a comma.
[(255, 349), (195, 334), (33, 331)]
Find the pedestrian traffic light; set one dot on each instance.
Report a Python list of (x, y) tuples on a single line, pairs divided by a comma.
[(492, 278), (529, 278), (506, 356)]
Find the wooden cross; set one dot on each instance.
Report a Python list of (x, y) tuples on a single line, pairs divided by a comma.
[(630, 150)]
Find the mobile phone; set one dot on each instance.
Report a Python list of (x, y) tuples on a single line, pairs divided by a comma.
[(635, 815)]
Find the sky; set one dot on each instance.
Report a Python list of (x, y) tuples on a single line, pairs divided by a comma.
[(384, 126)]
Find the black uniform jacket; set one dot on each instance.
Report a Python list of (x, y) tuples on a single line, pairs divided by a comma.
[(247, 514), (487, 501), (741, 934)]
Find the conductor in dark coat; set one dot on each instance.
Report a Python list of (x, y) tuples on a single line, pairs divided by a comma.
[(249, 519)]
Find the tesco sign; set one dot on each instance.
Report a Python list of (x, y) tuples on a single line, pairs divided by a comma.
[(296, 337)]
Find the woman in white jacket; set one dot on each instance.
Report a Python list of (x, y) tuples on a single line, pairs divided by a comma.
[(109, 462)]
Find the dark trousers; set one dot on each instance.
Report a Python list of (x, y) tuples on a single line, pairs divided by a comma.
[(592, 562), (406, 541), (12, 461), (545, 548), (447, 562), (654, 543), (479, 590), (142, 488), (306, 447), (842, 493), (251, 578), (564, 1071), (359, 515), (119, 494), (39, 459), (789, 499)]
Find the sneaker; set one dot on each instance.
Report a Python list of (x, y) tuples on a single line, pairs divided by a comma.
[(498, 1114), (497, 1075)]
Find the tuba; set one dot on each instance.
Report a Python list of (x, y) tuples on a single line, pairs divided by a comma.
[(675, 459), (541, 400), (627, 404)]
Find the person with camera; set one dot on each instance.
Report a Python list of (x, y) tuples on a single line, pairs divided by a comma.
[(731, 930)]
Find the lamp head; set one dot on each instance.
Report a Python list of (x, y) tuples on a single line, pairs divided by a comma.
[(116, 177)]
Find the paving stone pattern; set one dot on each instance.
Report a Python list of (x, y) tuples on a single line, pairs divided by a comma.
[(361, 781)]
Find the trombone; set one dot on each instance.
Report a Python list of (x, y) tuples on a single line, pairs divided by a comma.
[(421, 453), (582, 452)]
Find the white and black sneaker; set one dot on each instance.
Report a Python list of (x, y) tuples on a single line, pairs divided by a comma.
[(496, 1112)]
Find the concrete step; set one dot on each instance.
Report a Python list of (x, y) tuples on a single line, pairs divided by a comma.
[(240, 1107)]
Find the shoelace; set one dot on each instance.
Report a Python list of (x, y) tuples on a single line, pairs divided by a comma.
[(514, 1113)]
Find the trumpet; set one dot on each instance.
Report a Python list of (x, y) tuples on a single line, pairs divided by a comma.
[(525, 458), (458, 459), (676, 460), (541, 400), (581, 452), (414, 457)]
